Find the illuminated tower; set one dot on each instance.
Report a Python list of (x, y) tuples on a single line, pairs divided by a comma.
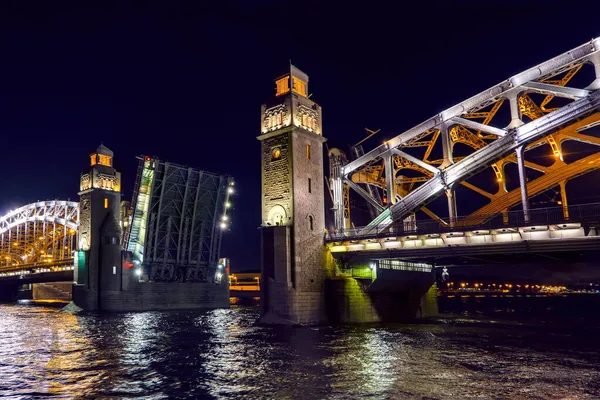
[(99, 260), (293, 208)]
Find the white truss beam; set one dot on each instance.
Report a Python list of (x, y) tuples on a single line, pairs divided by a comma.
[(584, 53), (59, 211), (467, 123), (364, 194), (554, 90), (415, 160), (484, 157)]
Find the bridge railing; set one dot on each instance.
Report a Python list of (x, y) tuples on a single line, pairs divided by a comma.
[(511, 219)]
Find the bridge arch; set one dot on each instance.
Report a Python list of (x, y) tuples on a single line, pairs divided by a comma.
[(42, 232)]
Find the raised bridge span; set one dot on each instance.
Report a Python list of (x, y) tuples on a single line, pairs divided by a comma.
[(170, 232)]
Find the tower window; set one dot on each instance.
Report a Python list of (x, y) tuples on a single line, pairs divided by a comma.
[(310, 222), (106, 202), (308, 151), (309, 185), (104, 160), (299, 86), (93, 159), (276, 154), (283, 85)]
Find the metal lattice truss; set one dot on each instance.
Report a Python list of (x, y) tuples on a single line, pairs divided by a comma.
[(472, 123), (42, 233), (177, 212)]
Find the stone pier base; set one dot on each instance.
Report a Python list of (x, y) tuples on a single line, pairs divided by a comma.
[(286, 306), (350, 301), (52, 291), (145, 296)]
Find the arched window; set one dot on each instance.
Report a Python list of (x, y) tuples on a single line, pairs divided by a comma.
[(310, 222)]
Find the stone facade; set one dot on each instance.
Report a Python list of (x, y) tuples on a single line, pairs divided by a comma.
[(293, 208), (309, 211), (100, 233), (277, 201)]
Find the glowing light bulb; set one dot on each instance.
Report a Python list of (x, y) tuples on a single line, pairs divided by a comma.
[(230, 190), (227, 204), (223, 225), (224, 218)]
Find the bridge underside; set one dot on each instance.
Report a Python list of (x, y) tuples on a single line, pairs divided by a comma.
[(491, 254)]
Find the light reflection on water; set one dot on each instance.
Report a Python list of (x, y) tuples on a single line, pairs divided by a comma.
[(220, 353)]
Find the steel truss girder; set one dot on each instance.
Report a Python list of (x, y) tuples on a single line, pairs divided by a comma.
[(415, 160), (484, 157), (61, 212), (183, 215), (511, 86), (364, 194), (555, 90), (43, 231), (467, 123)]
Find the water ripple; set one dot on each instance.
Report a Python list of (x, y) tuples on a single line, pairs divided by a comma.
[(220, 353)]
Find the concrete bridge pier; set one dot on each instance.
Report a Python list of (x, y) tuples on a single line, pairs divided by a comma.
[(353, 300), (291, 293)]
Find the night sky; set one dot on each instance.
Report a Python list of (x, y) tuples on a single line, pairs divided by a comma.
[(185, 82)]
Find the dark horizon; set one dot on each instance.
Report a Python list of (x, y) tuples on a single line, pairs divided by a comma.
[(185, 82)]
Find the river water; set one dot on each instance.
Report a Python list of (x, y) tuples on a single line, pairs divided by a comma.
[(220, 354)]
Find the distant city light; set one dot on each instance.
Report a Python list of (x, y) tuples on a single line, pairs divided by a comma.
[(223, 225), (224, 218), (227, 204), (230, 190)]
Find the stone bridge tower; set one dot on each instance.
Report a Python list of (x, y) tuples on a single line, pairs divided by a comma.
[(99, 266), (293, 205)]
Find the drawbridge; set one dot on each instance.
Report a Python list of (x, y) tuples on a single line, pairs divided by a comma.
[(534, 112), (173, 228)]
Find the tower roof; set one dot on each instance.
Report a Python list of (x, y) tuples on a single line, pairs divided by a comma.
[(102, 149)]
